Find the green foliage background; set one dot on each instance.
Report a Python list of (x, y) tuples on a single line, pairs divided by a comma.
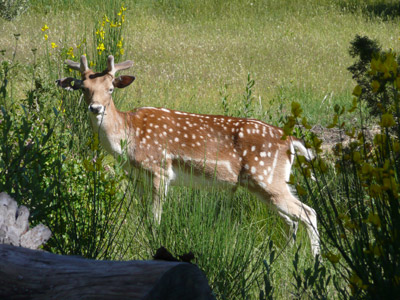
[(240, 58)]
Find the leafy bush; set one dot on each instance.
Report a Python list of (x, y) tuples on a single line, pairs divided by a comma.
[(361, 215), (10, 9), (51, 162)]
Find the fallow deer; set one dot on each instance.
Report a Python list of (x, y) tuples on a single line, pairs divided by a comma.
[(175, 147)]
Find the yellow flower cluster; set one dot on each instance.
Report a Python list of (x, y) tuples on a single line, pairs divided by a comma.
[(105, 28), (385, 66), (333, 258), (44, 29)]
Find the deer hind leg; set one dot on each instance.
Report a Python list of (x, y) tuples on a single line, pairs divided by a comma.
[(290, 207)]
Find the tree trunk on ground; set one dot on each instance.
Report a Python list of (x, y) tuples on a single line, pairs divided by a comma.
[(31, 274)]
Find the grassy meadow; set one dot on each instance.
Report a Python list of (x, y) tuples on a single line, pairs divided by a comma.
[(194, 56)]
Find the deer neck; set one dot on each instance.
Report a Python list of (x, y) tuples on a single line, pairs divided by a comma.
[(111, 128)]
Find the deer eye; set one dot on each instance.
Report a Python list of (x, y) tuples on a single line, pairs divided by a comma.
[(111, 90)]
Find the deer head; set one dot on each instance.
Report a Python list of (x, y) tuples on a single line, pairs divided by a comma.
[(97, 87)]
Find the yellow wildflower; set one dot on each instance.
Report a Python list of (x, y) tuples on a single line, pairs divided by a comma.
[(46, 37), (101, 48), (88, 166), (357, 91), (119, 44), (356, 157), (305, 123), (390, 65), (95, 142), (122, 51), (332, 257), (375, 66), (54, 45), (296, 109), (387, 120), (71, 52), (375, 86), (44, 28)]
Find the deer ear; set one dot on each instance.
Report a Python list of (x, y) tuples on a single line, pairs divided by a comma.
[(123, 81), (69, 83)]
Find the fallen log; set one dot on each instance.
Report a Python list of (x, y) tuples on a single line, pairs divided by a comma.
[(32, 274)]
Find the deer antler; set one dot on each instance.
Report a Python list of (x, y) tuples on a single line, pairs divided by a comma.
[(82, 66), (114, 68)]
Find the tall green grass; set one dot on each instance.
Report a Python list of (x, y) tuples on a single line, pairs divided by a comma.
[(194, 56)]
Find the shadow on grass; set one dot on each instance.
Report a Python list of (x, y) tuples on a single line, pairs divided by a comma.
[(387, 10)]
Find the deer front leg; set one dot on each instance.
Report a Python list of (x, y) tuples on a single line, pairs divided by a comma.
[(160, 189)]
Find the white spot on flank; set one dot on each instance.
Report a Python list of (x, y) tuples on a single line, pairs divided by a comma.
[(241, 134), (269, 145), (263, 154), (260, 177), (253, 170), (149, 130), (246, 166), (176, 139), (269, 154), (261, 163), (256, 158), (253, 148), (193, 136), (244, 152)]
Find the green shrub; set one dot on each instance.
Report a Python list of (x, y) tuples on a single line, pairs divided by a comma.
[(360, 217), (10, 9)]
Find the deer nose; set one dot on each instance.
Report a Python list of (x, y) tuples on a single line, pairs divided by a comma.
[(96, 108)]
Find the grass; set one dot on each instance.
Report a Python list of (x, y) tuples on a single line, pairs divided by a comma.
[(185, 53), (189, 55)]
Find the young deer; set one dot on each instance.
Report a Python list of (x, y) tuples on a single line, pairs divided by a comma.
[(174, 147)]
